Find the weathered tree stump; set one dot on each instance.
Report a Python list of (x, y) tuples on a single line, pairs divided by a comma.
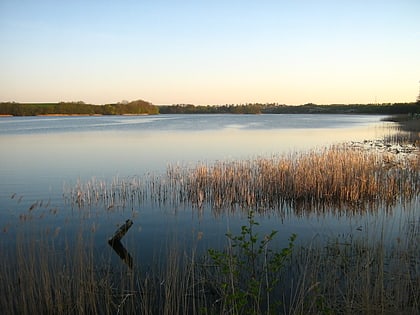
[(115, 243), (118, 235)]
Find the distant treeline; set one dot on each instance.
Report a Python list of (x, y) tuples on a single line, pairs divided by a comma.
[(77, 108), (140, 107), (385, 109), (211, 109)]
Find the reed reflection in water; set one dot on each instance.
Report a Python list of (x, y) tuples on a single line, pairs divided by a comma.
[(338, 178), (347, 271)]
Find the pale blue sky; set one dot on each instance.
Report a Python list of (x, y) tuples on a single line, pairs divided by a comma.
[(210, 52)]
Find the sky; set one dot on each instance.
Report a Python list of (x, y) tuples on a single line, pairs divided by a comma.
[(210, 52)]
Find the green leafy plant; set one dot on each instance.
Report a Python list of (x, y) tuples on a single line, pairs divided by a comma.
[(247, 271)]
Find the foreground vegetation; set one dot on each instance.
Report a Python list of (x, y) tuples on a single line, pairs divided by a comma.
[(141, 107), (343, 275), (363, 272)]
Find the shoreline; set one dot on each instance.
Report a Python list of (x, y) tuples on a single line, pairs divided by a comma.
[(65, 115), (71, 115), (396, 152)]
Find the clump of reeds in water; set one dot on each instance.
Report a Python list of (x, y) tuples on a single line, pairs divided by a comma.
[(336, 177), (406, 129), (39, 276), (339, 177), (43, 274), (120, 193), (345, 275)]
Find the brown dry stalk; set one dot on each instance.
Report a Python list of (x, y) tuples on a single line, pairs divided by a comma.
[(336, 176)]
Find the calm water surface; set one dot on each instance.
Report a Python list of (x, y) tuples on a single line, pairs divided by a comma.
[(42, 156)]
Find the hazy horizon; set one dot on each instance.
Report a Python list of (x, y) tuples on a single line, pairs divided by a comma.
[(214, 105), (210, 52)]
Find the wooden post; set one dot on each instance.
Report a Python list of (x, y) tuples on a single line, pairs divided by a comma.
[(118, 235), (115, 243)]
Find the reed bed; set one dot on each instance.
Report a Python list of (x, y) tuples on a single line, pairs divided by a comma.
[(120, 193), (41, 277), (335, 178), (338, 178), (52, 275), (344, 275), (357, 276), (406, 129)]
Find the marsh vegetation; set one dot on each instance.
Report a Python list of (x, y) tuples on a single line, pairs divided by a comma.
[(408, 128), (68, 268), (247, 275), (338, 178)]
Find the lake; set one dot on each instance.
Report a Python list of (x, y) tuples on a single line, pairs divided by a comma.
[(44, 158)]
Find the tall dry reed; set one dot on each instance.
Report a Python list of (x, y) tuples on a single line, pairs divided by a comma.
[(337, 178), (42, 275), (342, 275), (355, 276)]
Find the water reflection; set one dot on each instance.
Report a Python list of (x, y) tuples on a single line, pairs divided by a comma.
[(41, 155), (71, 155)]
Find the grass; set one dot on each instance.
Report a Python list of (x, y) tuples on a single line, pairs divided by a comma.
[(356, 277), (338, 177), (408, 128), (41, 278), (343, 274)]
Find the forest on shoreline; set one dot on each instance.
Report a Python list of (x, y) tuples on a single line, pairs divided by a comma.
[(140, 107)]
